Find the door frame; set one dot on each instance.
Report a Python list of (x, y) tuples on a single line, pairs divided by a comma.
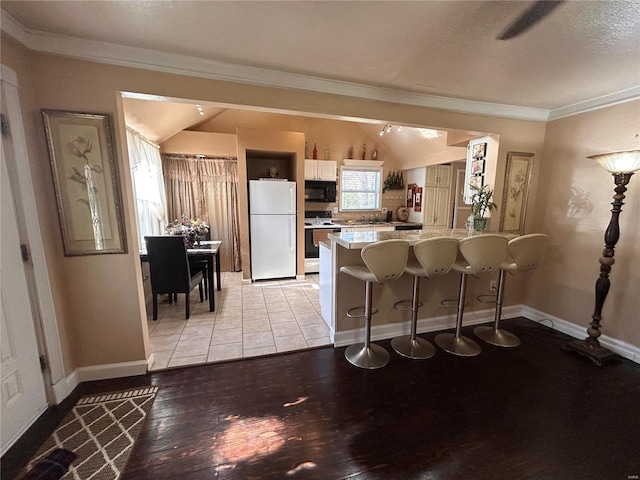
[(37, 271)]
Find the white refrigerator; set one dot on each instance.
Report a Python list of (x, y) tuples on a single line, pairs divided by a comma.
[(272, 221)]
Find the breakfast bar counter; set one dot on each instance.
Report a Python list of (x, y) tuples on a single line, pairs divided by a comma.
[(340, 292)]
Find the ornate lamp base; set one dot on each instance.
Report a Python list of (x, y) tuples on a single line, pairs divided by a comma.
[(597, 353)]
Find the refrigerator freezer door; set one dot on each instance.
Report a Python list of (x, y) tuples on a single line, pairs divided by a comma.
[(272, 197), (273, 246)]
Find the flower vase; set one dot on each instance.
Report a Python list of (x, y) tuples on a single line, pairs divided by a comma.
[(479, 224)]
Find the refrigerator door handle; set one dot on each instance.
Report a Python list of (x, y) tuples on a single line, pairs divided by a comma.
[(292, 232), (292, 194)]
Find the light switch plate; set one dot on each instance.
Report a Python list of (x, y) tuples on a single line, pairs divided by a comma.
[(335, 209)]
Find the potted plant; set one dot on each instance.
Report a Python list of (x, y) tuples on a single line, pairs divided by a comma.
[(481, 204)]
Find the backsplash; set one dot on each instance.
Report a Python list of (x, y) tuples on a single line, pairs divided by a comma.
[(391, 200)]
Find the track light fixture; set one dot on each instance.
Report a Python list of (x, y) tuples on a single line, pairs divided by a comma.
[(388, 128)]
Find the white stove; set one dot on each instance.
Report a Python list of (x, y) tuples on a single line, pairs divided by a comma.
[(318, 219), (315, 220)]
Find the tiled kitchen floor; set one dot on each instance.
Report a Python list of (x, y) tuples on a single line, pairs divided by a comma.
[(257, 319)]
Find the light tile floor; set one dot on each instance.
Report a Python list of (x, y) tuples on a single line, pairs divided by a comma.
[(258, 319)]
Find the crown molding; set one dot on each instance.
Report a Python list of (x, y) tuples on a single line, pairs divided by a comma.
[(622, 96), (135, 57)]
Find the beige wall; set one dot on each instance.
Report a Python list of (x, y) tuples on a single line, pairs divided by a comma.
[(99, 298), (577, 195)]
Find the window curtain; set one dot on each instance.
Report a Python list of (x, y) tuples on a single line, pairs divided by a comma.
[(206, 188), (148, 185)]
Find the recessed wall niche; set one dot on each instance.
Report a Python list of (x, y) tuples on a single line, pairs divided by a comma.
[(266, 164)]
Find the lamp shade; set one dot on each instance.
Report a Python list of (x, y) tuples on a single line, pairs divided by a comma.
[(626, 161)]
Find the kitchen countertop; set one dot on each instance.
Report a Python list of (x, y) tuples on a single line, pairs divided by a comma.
[(358, 240), (357, 223), (348, 223)]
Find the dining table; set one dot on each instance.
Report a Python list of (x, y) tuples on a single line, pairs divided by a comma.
[(208, 250)]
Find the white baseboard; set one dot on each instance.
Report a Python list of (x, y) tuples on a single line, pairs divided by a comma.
[(624, 349), (442, 322), (112, 370), (445, 322), (64, 387), (150, 361)]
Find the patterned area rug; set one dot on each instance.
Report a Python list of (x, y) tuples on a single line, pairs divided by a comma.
[(100, 430)]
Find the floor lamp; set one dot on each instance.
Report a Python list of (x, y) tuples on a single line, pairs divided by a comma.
[(622, 165)]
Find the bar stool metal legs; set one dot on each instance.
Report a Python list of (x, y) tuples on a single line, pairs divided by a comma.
[(412, 346), (367, 355), (456, 343), (494, 335)]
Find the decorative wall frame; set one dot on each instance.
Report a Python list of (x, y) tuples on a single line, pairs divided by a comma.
[(410, 189), (477, 166), (516, 192), (86, 181), (479, 150), (417, 202), (476, 182)]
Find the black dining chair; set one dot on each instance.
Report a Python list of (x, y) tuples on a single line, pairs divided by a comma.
[(169, 269), (199, 265)]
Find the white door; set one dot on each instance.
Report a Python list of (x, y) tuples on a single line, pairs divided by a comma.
[(22, 392)]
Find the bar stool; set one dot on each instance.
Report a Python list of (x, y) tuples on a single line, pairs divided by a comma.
[(479, 255), (435, 257), (523, 253), (384, 261)]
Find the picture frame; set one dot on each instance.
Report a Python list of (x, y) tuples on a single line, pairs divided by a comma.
[(479, 150), (516, 192), (477, 167), (86, 181), (410, 189), (417, 202), (476, 181)]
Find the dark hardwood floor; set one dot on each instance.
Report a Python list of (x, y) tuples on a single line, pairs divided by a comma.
[(535, 411)]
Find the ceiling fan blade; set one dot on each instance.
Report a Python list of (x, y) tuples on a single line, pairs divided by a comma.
[(530, 17)]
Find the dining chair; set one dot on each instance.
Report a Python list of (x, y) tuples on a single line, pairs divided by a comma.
[(199, 265), (169, 269)]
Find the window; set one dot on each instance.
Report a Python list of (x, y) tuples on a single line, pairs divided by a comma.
[(148, 185), (360, 187)]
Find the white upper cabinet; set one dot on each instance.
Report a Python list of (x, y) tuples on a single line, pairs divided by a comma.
[(438, 176), (436, 195), (320, 170)]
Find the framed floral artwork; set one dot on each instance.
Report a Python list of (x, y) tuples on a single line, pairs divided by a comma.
[(476, 182), (479, 150), (477, 167), (516, 191), (86, 182)]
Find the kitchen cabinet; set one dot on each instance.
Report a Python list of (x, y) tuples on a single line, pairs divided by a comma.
[(325, 283), (320, 170), (436, 196), (438, 176)]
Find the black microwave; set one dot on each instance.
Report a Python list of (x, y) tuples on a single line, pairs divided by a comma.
[(319, 191)]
